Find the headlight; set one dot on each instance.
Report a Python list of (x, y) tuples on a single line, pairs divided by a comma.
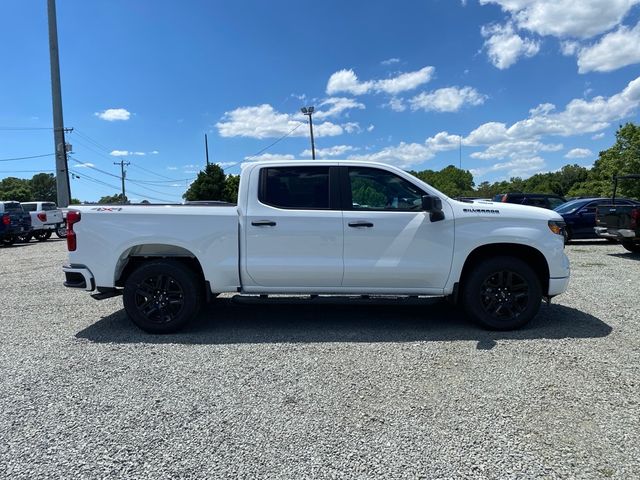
[(557, 226)]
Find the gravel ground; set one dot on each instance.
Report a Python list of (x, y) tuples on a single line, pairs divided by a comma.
[(298, 388)]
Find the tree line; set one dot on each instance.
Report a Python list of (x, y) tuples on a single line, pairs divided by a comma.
[(622, 158)]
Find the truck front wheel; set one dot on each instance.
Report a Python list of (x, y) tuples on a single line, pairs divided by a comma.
[(502, 293), (162, 296)]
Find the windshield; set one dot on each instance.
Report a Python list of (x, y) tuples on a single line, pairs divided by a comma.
[(570, 206)]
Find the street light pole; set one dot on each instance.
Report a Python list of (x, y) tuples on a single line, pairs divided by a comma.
[(308, 111)]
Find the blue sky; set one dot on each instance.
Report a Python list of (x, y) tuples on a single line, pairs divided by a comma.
[(524, 85)]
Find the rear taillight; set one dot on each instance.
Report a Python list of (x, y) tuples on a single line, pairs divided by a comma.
[(73, 217), (504, 199), (42, 216), (6, 219), (635, 218)]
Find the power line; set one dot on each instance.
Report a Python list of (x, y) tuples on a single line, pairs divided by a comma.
[(272, 144), (25, 128), (151, 171), (27, 171), (93, 167), (26, 158)]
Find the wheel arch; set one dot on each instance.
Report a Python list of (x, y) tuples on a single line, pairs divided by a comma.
[(530, 255), (136, 255)]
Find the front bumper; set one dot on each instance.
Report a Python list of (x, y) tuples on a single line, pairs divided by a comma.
[(558, 286), (79, 276)]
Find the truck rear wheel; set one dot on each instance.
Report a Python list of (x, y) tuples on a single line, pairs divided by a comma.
[(502, 293), (632, 247), (162, 296)]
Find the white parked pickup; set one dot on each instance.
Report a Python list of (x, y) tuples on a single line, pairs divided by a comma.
[(340, 228)]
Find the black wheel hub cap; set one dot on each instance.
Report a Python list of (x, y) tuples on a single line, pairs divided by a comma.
[(159, 298), (504, 295)]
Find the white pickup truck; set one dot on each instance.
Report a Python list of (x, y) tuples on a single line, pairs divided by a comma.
[(339, 228)]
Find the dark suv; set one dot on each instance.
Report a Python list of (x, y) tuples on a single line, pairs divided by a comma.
[(543, 200)]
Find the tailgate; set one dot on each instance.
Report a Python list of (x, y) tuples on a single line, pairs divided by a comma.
[(54, 216), (614, 216)]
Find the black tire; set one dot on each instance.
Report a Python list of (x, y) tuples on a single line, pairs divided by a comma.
[(8, 241), (632, 247), (42, 235), (567, 235), (502, 293), (162, 296), (24, 238), (61, 230)]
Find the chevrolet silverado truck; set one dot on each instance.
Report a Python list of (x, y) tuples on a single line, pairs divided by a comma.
[(314, 228), (618, 221)]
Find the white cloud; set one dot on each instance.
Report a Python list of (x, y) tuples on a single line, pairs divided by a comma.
[(515, 149), (270, 156), (371, 127), (578, 153), (172, 168), (390, 61), (336, 106), (579, 117), (84, 165), (346, 81), (614, 50), (504, 46), (404, 155), (450, 99), (396, 104), (335, 151), (597, 136), (524, 167), (126, 153), (566, 18), (113, 114), (263, 121), (119, 153), (569, 47), (351, 127)]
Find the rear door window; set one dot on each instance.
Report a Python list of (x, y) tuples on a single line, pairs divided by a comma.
[(29, 207), (49, 206), (300, 188)]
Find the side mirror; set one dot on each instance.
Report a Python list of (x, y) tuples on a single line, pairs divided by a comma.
[(433, 205)]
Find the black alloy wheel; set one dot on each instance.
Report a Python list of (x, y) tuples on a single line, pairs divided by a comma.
[(501, 293), (162, 296), (504, 295)]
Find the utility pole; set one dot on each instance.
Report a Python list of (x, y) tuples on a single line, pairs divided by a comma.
[(460, 151), (309, 112), (206, 148), (62, 171), (122, 163)]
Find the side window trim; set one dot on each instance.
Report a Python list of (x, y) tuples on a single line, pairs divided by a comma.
[(334, 192), (347, 196)]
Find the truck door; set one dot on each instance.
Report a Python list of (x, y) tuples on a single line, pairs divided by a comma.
[(389, 242), (293, 231)]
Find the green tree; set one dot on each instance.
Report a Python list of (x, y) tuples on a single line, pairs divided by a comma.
[(209, 185), (113, 199), (231, 184), (12, 188), (622, 158), (450, 180), (43, 187)]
